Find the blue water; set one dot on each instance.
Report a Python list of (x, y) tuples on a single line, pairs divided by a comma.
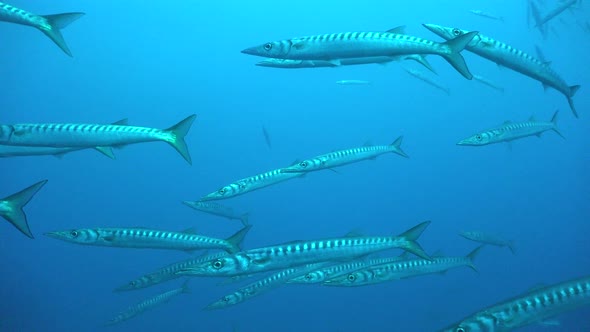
[(158, 62)]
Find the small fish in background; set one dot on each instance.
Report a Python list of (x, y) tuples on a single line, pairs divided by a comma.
[(11, 207), (487, 238), (148, 304), (266, 137), (353, 82), (50, 25), (510, 131), (7, 151), (482, 13), (487, 82), (560, 8), (218, 210), (423, 77)]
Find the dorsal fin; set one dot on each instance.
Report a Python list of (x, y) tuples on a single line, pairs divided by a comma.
[(368, 143), (507, 122), (354, 233), (532, 119), (401, 30), (122, 122), (190, 231)]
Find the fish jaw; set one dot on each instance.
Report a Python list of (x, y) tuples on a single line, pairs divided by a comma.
[(445, 32), (223, 302), (269, 50), (475, 140), (72, 235)]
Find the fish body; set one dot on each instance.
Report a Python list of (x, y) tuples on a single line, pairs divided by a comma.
[(251, 183), (149, 238), (218, 210), (344, 157), (560, 8), (487, 82), (423, 77), (11, 207), (353, 82), (337, 46), (27, 151), (91, 135), (403, 269), (266, 137), (510, 131), (507, 56), (487, 238), (533, 307), (148, 304), (486, 15), (298, 253), (50, 25)]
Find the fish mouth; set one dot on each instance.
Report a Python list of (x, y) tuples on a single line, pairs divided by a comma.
[(250, 51), (463, 142), (55, 235), (432, 27)]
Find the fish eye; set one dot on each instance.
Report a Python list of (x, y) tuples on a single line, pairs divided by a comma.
[(478, 137), (267, 46), (74, 233), (303, 164), (456, 32), (217, 264), (460, 329), (308, 276), (222, 191), (132, 283), (351, 277), (225, 299)]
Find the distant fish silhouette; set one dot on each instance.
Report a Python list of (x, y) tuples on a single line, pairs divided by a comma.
[(266, 137)]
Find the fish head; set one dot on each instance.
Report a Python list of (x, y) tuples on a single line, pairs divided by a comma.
[(138, 283), (81, 236), (445, 32), (357, 278), (6, 132), (477, 323), (483, 138), (224, 192), (225, 301), (309, 278), (228, 265), (275, 49), (305, 166)]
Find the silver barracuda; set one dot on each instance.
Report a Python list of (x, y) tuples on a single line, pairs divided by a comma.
[(149, 239), (404, 269), (166, 273), (62, 135), (510, 131), (298, 253), (11, 207), (560, 8), (487, 82), (337, 46), (534, 307), (218, 210), (28, 151), (487, 238), (507, 56), (48, 24), (261, 286), (353, 82), (486, 15), (344, 157), (148, 304), (251, 183), (423, 77)]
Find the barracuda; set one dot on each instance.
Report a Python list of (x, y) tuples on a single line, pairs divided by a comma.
[(560, 8), (218, 210), (421, 76), (148, 304), (405, 269), (149, 238), (507, 56), (251, 183), (344, 157), (166, 273), (298, 253), (48, 24), (531, 308), (489, 83), (28, 151), (487, 238), (261, 286), (336, 46), (510, 131), (11, 207)]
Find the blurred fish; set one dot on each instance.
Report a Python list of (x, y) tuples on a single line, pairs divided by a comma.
[(149, 238), (488, 239), (298, 253), (218, 210), (486, 15), (93, 135), (536, 14), (148, 304), (266, 137), (512, 58), (353, 82), (541, 55), (11, 207), (27, 151), (423, 77), (510, 131), (533, 307), (337, 46), (560, 8), (344, 157), (487, 82), (48, 24)]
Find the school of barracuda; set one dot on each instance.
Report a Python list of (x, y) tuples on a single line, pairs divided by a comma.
[(346, 261)]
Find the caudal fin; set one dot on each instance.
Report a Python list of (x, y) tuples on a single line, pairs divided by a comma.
[(397, 145), (185, 288), (15, 214), (57, 22), (511, 247), (421, 59), (178, 132), (244, 218), (570, 100), (471, 257), (454, 56), (236, 239), (554, 122), (410, 236)]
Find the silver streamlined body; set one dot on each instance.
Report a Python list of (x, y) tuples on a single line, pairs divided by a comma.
[(298, 253), (423, 77), (218, 210), (50, 25), (487, 238), (487, 82), (166, 273), (28, 151), (336, 46), (92, 135), (404, 269), (348, 156), (486, 15), (510, 131), (353, 82), (11, 207), (148, 304), (251, 183), (144, 238), (533, 307), (560, 8), (507, 56)]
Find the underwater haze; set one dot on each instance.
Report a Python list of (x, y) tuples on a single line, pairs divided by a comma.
[(156, 63)]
